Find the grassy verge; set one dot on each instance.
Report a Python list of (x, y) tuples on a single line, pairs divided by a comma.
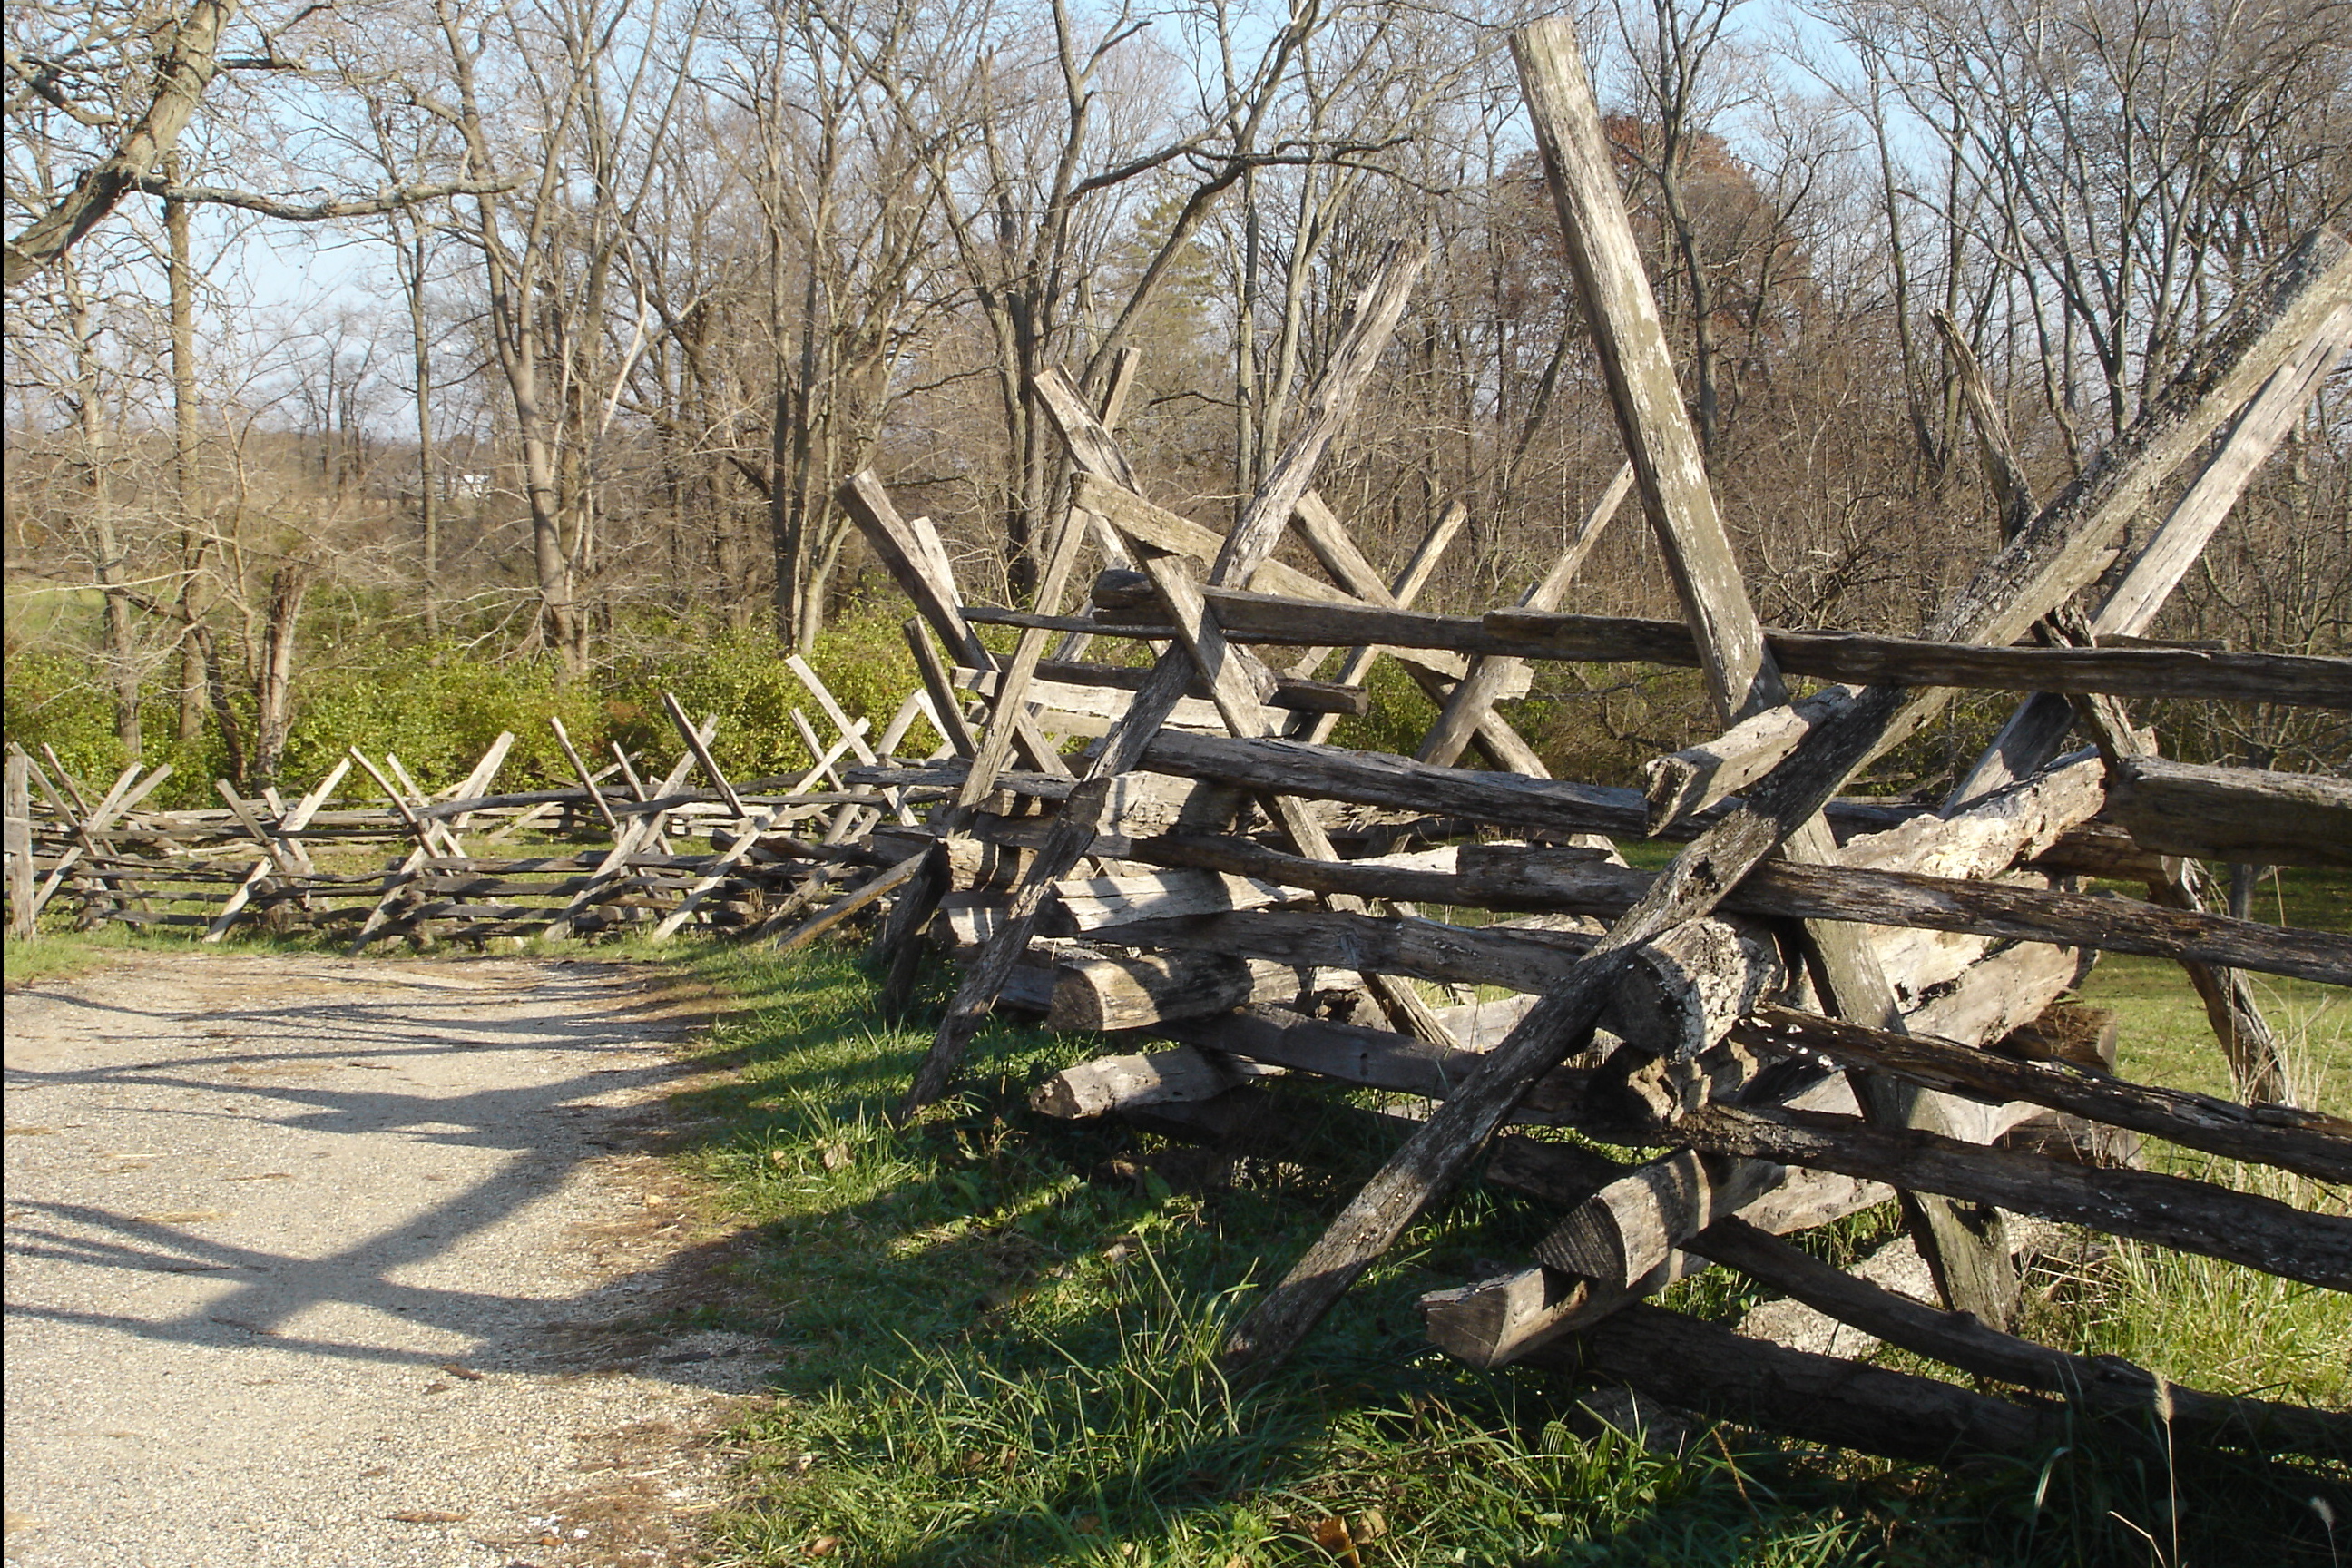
[(999, 1337)]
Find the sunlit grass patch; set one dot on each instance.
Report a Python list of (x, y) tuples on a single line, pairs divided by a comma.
[(1000, 1334)]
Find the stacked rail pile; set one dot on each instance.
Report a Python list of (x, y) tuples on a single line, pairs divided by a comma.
[(1821, 1003), (778, 847)]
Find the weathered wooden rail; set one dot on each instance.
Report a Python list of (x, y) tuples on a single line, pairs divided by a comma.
[(1824, 1003), (778, 847), (1827, 1001)]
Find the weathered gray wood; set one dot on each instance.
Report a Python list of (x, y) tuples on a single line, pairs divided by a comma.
[(19, 810), (1374, 778), (1374, 1058), (637, 832), (1362, 593), (1741, 672), (1490, 675), (2168, 1211), (1363, 590), (1338, 552), (2105, 1384), (1510, 800), (587, 779), (903, 554), (1094, 901), (2053, 556), (2038, 728), (1144, 990), (430, 835), (1290, 692), (1381, 944), (716, 872), (1633, 1224), (477, 782), (1238, 685), (2059, 552), (2308, 1142), (282, 852), (1496, 876), (2234, 814), (915, 705), (1695, 1366), (1361, 585), (1402, 592), (1061, 560), (1492, 1323), (973, 863), (1238, 682), (1116, 500), (1117, 1083), (2003, 991), (701, 755), (945, 701), (1631, 342), (1253, 538), (867, 893), (1516, 634), (2146, 672), (918, 565), (1687, 986)]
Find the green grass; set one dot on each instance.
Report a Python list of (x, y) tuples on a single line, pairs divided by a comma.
[(1000, 1338), (2164, 1037), (53, 953)]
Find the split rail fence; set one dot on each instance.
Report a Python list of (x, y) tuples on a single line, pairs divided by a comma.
[(1826, 1001), (780, 851)]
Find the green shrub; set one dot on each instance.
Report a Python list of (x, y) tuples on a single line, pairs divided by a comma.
[(438, 706)]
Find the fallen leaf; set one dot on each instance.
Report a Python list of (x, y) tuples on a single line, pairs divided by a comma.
[(1332, 1534), (1087, 1524), (1369, 1526), (176, 1217), (779, 1157), (837, 1155), (436, 1388), (428, 1516), (467, 1372), (823, 1545)]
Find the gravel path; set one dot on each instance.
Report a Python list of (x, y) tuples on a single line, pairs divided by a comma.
[(324, 1262)]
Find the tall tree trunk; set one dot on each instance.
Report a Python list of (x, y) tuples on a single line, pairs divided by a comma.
[(1705, 351), (121, 650), (428, 497), (273, 690), (196, 589)]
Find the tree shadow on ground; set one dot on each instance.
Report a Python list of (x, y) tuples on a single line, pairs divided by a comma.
[(207, 1081)]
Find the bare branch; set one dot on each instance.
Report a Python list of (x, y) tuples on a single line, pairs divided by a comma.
[(182, 73), (390, 200)]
